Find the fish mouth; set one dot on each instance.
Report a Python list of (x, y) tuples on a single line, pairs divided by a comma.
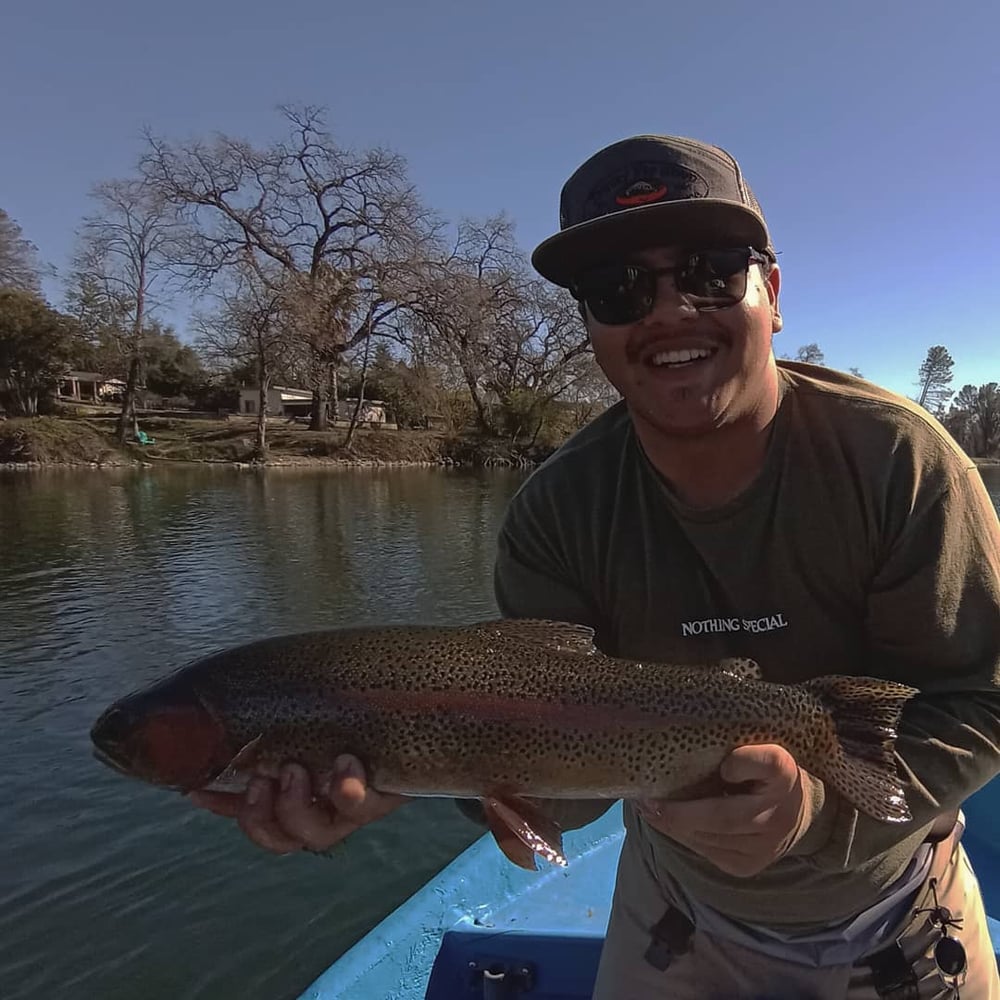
[(107, 757)]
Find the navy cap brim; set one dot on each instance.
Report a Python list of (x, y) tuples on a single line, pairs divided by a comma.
[(701, 223)]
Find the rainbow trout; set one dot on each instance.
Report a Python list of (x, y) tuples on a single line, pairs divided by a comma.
[(502, 711)]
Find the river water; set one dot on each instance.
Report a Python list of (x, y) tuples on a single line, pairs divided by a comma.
[(110, 889)]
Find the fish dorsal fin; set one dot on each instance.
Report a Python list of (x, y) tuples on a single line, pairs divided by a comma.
[(742, 668), (560, 637)]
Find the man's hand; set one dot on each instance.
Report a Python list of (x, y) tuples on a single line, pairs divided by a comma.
[(281, 812), (744, 831)]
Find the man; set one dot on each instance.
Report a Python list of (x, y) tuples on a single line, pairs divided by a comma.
[(731, 506)]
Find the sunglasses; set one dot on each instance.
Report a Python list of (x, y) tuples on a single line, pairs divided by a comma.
[(622, 293)]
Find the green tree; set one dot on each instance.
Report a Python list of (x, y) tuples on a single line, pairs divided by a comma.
[(934, 379), (36, 343), (171, 368), (974, 419), (811, 354), (409, 393), (18, 258)]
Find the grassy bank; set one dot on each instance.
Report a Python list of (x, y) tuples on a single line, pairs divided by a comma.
[(91, 441), (52, 441)]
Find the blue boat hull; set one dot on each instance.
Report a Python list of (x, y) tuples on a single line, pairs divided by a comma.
[(481, 912)]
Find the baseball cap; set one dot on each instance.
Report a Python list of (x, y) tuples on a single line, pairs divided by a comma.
[(650, 190)]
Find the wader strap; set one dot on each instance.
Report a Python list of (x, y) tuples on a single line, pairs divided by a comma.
[(671, 936), (892, 975)]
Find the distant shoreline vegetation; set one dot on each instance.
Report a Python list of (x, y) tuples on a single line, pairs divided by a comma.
[(38, 442), (91, 442), (307, 265)]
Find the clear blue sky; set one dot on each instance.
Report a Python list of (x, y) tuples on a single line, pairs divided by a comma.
[(870, 131)]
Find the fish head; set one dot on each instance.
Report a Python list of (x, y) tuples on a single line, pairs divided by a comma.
[(164, 735)]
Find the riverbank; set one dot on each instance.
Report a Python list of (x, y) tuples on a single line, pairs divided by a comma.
[(90, 441)]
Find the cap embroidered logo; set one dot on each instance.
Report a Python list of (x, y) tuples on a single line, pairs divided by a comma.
[(641, 193)]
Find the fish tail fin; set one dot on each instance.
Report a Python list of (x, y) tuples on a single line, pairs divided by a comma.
[(861, 764)]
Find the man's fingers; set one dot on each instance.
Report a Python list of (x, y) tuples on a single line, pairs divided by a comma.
[(731, 814), (226, 804), (353, 799), (257, 819), (311, 821), (283, 811)]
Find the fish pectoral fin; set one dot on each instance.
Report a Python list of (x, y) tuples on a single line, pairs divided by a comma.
[(235, 773), (522, 830)]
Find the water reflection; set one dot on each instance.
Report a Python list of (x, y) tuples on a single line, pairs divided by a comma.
[(107, 579)]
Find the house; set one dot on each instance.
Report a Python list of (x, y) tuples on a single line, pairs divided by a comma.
[(372, 411), (90, 386), (283, 401)]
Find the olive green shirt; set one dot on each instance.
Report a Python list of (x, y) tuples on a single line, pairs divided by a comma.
[(867, 545)]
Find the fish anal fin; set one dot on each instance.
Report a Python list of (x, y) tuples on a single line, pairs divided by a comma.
[(522, 830), (559, 637)]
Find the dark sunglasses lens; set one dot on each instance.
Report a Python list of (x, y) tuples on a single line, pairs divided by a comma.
[(718, 277), (617, 294), (949, 955)]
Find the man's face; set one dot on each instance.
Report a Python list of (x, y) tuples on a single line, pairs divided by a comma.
[(678, 397)]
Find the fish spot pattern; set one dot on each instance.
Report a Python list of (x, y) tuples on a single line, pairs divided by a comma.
[(531, 707)]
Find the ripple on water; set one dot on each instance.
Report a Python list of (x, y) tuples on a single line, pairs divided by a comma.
[(110, 889)]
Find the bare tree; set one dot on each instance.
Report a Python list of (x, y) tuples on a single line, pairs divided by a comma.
[(251, 327), (360, 401), (467, 296), (19, 268), (538, 358), (934, 379), (332, 222), (590, 395), (121, 264), (514, 343)]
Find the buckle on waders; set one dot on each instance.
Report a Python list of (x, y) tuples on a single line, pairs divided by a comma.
[(892, 974), (671, 936)]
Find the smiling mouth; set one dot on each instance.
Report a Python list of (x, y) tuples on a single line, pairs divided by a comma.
[(685, 357)]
